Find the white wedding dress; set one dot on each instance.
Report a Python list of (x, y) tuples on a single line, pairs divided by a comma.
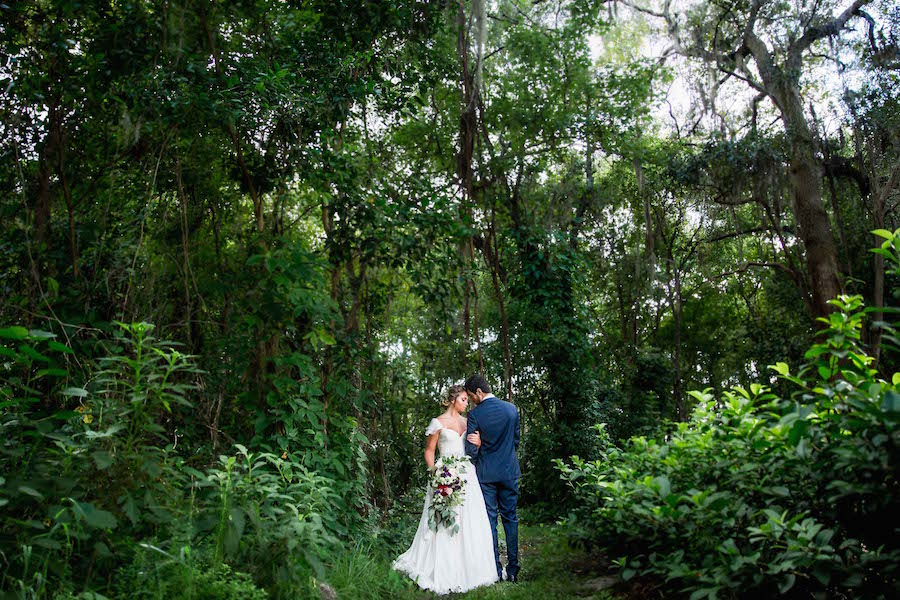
[(445, 563)]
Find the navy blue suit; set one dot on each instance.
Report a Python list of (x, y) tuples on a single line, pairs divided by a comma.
[(498, 470)]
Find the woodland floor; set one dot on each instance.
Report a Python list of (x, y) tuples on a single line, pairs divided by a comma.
[(551, 568)]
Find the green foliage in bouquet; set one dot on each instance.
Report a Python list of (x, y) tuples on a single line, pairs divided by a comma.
[(447, 487)]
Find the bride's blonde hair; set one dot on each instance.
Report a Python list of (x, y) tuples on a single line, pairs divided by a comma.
[(451, 394)]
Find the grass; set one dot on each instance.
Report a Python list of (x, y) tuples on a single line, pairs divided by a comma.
[(550, 569)]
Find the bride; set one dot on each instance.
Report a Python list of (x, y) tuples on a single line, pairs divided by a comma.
[(439, 561)]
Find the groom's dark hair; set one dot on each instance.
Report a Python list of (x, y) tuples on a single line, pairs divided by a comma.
[(476, 381)]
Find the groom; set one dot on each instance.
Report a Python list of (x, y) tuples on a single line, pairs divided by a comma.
[(496, 465)]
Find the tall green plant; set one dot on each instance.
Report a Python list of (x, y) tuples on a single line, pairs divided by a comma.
[(95, 481), (82, 460)]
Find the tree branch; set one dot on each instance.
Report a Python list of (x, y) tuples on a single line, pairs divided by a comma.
[(838, 166), (813, 34), (746, 267), (646, 11), (889, 186), (745, 78), (734, 234)]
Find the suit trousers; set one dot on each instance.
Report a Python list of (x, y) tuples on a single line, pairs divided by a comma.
[(501, 496)]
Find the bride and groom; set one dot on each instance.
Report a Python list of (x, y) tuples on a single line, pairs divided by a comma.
[(450, 560)]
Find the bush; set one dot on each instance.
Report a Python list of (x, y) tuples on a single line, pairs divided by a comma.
[(761, 495), (158, 575), (87, 468), (271, 515), (96, 492)]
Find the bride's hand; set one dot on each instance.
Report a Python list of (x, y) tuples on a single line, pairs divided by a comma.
[(474, 439)]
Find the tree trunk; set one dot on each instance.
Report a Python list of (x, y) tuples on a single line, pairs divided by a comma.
[(782, 84), (846, 265), (60, 166), (504, 322), (814, 228), (185, 267), (676, 356), (467, 124), (881, 193)]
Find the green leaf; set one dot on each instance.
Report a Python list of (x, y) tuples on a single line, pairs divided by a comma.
[(891, 402), (325, 337), (54, 345), (38, 334), (31, 492), (130, 509), (780, 368), (14, 333), (102, 459), (798, 431), (95, 517), (33, 354), (52, 372), (104, 434), (787, 584), (75, 391), (238, 521), (822, 575), (45, 542), (884, 233), (665, 488)]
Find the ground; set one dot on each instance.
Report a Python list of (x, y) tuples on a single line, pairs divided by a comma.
[(551, 568)]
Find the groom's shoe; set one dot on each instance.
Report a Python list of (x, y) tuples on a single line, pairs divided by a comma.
[(512, 578)]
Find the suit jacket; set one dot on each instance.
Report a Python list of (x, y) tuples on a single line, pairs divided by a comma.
[(498, 423)]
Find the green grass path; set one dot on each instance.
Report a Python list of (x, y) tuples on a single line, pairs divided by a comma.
[(550, 569)]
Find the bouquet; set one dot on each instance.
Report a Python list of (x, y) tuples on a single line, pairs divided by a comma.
[(447, 486)]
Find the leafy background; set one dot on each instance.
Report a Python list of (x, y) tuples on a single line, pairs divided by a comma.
[(245, 246)]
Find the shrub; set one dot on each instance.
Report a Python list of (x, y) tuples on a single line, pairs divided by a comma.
[(155, 574), (271, 515), (758, 494), (93, 478), (86, 468)]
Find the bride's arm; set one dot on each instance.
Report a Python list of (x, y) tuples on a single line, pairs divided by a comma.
[(430, 447), (474, 439)]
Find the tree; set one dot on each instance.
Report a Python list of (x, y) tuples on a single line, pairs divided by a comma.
[(766, 45)]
